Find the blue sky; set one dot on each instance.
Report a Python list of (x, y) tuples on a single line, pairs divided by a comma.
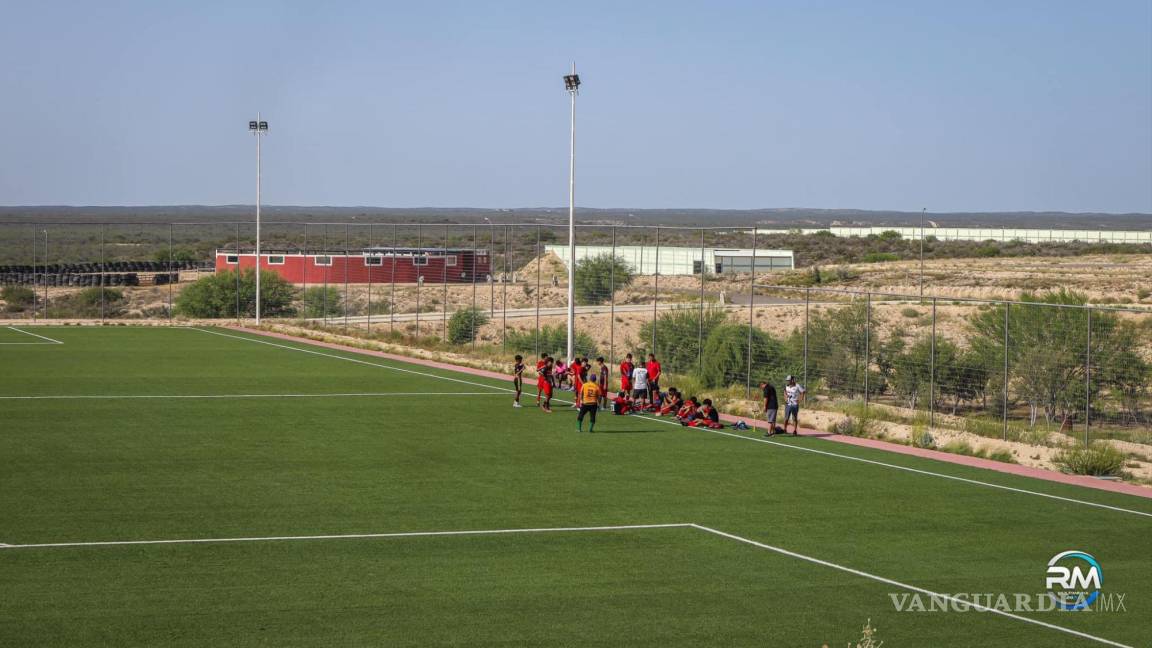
[(952, 106)]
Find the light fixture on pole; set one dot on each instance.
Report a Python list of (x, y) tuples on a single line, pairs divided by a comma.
[(572, 85), (258, 128)]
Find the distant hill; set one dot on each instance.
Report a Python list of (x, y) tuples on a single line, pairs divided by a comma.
[(781, 217)]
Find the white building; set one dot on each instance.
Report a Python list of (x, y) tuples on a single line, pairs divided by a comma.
[(683, 260), (984, 234)]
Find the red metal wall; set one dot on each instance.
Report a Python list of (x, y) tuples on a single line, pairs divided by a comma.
[(303, 269)]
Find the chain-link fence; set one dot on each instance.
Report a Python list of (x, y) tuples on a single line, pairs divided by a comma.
[(707, 302)]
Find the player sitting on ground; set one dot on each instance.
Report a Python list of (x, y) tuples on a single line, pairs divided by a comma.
[(707, 416), (687, 411), (621, 404), (672, 403)]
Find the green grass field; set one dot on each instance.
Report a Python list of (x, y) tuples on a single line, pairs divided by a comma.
[(120, 434)]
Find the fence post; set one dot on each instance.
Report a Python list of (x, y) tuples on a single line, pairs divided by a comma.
[(171, 227), (475, 249), (371, 240), (491, 269), (807, 302), (101, 272), (539, 265), (867, 343), (305, 293), (347, 259), (36, 270), (932, 373), (328, 255), (237, 272), (392, 292), (505, 276), (419, 274), (700, 326), (1088, 380), (444, 281), (612, 303), (656, 294), (1007, 307), (751, 317)]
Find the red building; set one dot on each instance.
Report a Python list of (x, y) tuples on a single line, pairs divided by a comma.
[(370, 265)]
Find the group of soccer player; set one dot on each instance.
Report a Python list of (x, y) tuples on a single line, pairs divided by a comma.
[(639, 392)]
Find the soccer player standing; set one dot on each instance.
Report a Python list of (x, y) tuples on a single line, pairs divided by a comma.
[(602, 379), (626, 368), (589, 399), (653, 368), (518, 378), (544, 384), (793, 396)]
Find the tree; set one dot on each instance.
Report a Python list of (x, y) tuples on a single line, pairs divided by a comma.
[(464, 323), (216, 295), (323, 301), (837, 345), (596, 276), (726, 357), (1047, 350), (680, 335)]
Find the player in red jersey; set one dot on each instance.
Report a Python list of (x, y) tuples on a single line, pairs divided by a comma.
[(544, 384), (540, 372), (626, 368)]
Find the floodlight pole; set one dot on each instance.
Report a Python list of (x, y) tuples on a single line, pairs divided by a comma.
[(258, 128), (572, 84)]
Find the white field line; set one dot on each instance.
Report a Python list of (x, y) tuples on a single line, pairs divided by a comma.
[(895, 583), (350, 536), (735, 436), (913, 470), (193, 396), (49, 340), (357, 361), (622, 527)]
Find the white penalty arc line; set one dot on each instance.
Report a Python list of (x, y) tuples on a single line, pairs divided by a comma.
[(621, 527), (350, 536), (212, 396), (347, 359), (49, 340), (895, 583), (720, 432)]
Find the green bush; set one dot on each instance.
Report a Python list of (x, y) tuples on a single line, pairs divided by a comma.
[(464, 323), (91, 296), (910, 312), (553, 340), (678, 336), (880, 257), (726, 356), (323, 301), (1099, 459), (216, 295), (17, 299), (854, 426), (596, 276)]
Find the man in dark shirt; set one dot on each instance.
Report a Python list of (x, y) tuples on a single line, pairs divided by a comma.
[(771, 406)]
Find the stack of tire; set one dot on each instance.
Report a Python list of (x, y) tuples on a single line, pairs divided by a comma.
[(116, 273)]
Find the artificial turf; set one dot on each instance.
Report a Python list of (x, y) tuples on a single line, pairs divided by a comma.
[(331, 442)]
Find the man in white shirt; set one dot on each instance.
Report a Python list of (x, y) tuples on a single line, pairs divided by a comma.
[(793, 396), (640, 385)]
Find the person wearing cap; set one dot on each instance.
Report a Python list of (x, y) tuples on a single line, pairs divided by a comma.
[(793, 396), (771, 406)]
